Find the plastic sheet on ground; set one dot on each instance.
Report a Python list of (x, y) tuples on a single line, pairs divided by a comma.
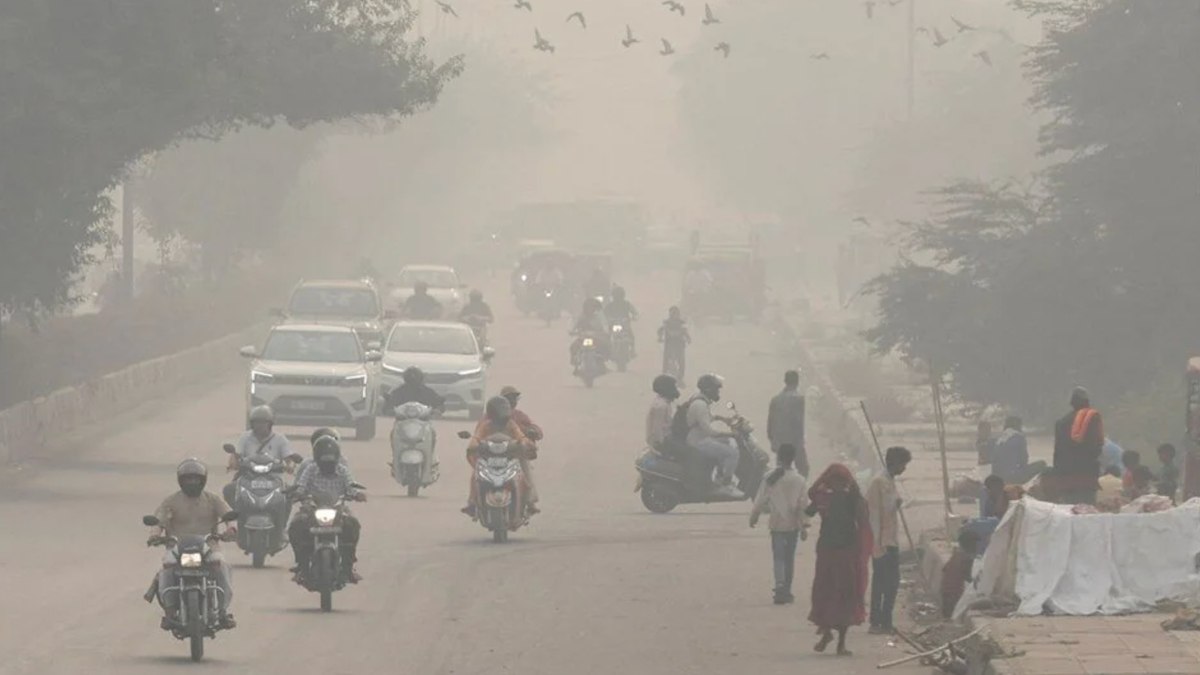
[(1045, 558)]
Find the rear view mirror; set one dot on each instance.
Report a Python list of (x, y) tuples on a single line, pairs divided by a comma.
[(150, 521), (228, 448), (731, 406), (249, 352), (358, 486), (229, 516), (465, 435), (488, 353)]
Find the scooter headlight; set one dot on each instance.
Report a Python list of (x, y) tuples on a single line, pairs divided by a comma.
[(190, 560), (617, 328), (262, 468), (588, 342), (325, 517)]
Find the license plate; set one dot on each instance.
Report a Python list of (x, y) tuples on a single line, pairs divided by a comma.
[(262, 484), (308, 405)]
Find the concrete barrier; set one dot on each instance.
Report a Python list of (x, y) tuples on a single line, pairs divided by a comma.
[(28, 428)]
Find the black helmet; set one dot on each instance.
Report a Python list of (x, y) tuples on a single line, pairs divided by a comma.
[(421, 287), (327, 452), (499, 410), (709, 384), (666, 387), (323, 431), (192, 476), (413, 375), (476, 295), (618, 293)]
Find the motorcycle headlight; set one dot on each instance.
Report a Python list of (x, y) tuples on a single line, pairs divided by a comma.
[(325, 517), (524, 277), (190, 559), (617, 328), (262, 468), (260, 377), (588, 342)]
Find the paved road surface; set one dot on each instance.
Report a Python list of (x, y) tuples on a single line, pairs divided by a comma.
[(595, 585)]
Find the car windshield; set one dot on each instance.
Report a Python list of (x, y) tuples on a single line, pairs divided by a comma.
[(319, 347), (431, 339), (435, 278), (318, 301)]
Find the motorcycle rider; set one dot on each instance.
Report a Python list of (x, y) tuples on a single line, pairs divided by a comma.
[(497, 419), (534, 433), (621, 311), (662, 411), (476, 310), (421, 305), (261, 439), (674, 336), (592, 321), (328, 475), (415, 389), (312, 440), (192, 511), (717, 446), (596, 285)]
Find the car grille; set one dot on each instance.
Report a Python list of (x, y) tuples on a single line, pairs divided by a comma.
[(310, 380)]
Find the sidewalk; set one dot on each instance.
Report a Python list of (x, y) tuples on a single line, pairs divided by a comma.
[(1094, 645)]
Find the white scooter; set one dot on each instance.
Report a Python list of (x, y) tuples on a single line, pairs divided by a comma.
[(414, 464)]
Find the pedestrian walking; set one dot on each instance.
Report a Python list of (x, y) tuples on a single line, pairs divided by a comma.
[(785, 420), (1078, 444), (883, 504), (784, 496), (843, 548)]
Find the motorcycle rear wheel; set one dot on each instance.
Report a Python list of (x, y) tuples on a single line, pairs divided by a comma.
[(657, 499)]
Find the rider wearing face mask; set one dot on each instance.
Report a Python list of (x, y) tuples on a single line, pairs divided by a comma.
[(192, 512), (497, 419), (327, 475)]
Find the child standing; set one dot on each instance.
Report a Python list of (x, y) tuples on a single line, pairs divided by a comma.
[(783, 495), (1168, 478)]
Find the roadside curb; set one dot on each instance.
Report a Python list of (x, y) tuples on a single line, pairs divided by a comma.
[(27, 429)]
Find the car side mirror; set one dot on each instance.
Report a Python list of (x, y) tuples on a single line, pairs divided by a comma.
[(731, 406), (249, 352), (150, 521), (229, 516), (228, 448), (278, 313), (488, 354), (358, 486), (465, 435), (374, 356)]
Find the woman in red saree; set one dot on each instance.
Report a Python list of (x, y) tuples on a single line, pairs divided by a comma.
[(843, 556)]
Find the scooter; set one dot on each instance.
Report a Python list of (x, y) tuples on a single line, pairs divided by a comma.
[(198, 594), (590, 362), (548, 305), (263, 507), (325, 574), (414, 464), (501, 506), (677, 475), (674, 359), (622, 346)]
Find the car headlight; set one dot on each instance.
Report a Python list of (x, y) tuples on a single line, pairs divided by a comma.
[(469, 373), (261, 377), (190, 559), (325, 517), (393, 369), (355, 380)]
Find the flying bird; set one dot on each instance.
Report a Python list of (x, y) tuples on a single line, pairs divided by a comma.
[(667, 49), (984, 56), (540, 43), (709, 17), (674, 6), (446, 8), (939, 40), (869, 5), (577, 15), (523, 4), (629, 40), (722, 47), (823, 56), (962, 27)]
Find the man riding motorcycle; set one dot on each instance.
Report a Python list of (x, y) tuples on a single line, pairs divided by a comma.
[(421, 305), (326, 475), (596, 285), (477, 314), (702, 437), (192, 512), (590, 321), (534, 433), (497, 419), (619, 311), (261, 439)]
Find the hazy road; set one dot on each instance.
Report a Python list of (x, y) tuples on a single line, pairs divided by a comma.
[(595, 585)]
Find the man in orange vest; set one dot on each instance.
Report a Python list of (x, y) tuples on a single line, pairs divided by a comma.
[(1078, 442)]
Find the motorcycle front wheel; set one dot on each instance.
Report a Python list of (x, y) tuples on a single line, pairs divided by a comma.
[(413, 489), (195, 624), (258, 548), (326, 569)]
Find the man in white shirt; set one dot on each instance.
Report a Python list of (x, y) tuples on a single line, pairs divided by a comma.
[(883, 509), (717, 446), (259, 440)]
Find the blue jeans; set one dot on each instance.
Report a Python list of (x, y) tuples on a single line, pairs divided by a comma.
[(783, 550), (885, 585), (724, 452)]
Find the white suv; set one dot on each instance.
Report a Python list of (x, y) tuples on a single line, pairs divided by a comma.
[(315, 375)]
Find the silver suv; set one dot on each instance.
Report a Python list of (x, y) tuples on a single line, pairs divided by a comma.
[(340, 302), (315, 375)]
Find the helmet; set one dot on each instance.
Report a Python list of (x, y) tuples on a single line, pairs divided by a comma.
[(476, 295), (618, 293), (709, 383), (666, 387), (421, 287), (327, 452), (509, 390), (673, 311), (592, 305), (413, 375), (499, 410), (192, 476), (262, 413), (323, 431)]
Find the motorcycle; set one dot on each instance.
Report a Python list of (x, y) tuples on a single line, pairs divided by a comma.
[(590, 363), (479, 326), (413, 440), (325, 572), (501, 505), (199, 594), (548, 305), (263, 507), (674, 359), (622, 345), (679, 475)]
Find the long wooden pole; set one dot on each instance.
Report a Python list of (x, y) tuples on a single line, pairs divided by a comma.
[(883, 463)]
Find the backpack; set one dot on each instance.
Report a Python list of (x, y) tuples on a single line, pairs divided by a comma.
[(679, 423)]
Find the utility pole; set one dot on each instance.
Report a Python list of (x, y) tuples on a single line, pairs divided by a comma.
[(912, 57), (127, 228)]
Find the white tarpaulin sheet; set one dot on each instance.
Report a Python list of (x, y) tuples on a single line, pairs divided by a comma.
[(1045, 557)]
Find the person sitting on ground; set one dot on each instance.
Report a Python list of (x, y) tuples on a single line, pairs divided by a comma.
[(1142, 484), (957, 571), (994, 503), (1131, 459), (1168, 477)]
